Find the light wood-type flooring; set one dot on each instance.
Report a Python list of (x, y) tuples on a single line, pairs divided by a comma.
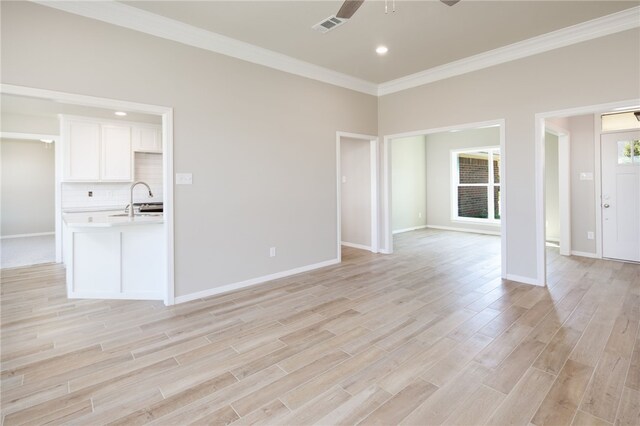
[(429, 335)]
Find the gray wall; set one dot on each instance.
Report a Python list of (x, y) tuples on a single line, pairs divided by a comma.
[(515, 91), (259, 142), (583, 210), (439, 146), (27, 187), (22, 123), (409, 183), (552, 197), (355, 168)]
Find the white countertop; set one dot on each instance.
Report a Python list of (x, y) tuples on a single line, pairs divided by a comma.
[(104, 219)]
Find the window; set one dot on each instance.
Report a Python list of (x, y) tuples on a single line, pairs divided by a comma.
[(475, 188)]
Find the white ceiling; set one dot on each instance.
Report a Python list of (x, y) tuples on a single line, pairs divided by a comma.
[(420, 34), (12, 104)]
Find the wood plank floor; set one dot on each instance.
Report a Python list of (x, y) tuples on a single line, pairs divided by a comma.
[(429, 335)]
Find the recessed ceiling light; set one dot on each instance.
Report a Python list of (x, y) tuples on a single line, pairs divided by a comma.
[(120, 113), (381, 50), (46, 140)]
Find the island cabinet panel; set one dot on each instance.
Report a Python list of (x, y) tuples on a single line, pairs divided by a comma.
[(115, 262), (142, 252), (96, 266)]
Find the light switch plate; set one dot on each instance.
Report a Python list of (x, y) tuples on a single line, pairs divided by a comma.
[(184, 178), (586, 176)]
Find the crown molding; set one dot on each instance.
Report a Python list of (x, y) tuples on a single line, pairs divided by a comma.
[(136, 19), (599, 27)]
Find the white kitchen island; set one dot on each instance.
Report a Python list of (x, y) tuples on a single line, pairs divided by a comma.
[(109, 255)]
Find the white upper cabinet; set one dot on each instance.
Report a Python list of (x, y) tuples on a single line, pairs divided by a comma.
[(116, 164), (96, 150), (147, 138), (81, 150)]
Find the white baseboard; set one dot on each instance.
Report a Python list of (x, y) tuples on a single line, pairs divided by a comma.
[(39, 234), (415, 228), (584, 254), (524, 280), (356, 246), (253, 281), (384, 251), (109, 295), (473, 231), (553, 240)]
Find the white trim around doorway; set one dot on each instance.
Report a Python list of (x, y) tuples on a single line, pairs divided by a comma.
[(167, 135), (541, 256), (564, 185), (386, 184), (373, 143)]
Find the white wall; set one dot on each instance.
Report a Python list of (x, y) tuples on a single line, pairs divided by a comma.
[(355, 168), (113, 195), (552, 193), (583, 213), (27, 187), (515, 91), (409, 183), (439, 146), (259, 142)]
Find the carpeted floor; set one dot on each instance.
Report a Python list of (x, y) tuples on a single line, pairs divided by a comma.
[(25, 251)]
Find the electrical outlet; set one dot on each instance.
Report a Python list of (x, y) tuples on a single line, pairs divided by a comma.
[(272, 252), (420, 215), (344, 179), (90, 193), (590, 235)]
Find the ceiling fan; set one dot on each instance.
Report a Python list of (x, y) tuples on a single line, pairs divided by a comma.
[(349, 7)]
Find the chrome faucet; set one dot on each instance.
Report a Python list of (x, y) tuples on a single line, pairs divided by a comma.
[(133, 185)]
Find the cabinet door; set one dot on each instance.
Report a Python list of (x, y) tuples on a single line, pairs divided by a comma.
[(81, 151), (116, 153), (147, 139)]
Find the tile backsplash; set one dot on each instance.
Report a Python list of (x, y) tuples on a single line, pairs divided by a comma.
[(147, 168)]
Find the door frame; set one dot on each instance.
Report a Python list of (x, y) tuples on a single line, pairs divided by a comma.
[(564, 185), (373, 161), (57, 155), (167, 158), (539, 122), (386, 174)]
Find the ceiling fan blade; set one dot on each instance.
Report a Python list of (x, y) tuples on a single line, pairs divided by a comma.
[(348, 8), (449, 2)]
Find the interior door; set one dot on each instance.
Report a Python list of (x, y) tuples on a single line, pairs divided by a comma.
[(621, 195)]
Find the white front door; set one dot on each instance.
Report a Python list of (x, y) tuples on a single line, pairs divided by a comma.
[(621, 195)]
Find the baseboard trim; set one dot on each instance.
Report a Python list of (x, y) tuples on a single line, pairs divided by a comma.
[(524, 280), (356, 246), (415, 228), (253, 281), (472, 231), (584, 254), (107, 295), (38, 234)]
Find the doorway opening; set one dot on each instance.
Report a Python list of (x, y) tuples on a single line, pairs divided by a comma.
[(357, 191), (119, 142), (447, 179), (28, 197), (580, 161)]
